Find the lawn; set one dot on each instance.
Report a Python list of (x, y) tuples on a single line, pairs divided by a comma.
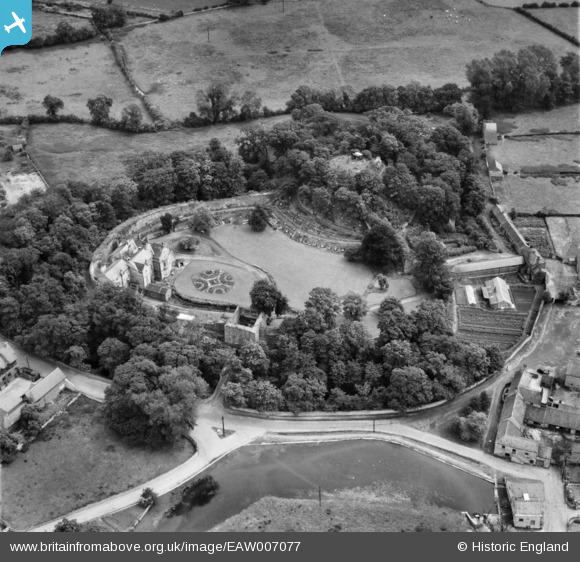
[(564, 19), (73, 73), (296, 268), (74, 462), (238, 293), (325, 44), (530, 154), (86, 153), (530, 195)]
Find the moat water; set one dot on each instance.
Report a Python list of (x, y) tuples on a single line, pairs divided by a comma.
[(297, 470)]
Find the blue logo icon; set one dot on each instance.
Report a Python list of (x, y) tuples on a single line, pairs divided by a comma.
[(15, 22)]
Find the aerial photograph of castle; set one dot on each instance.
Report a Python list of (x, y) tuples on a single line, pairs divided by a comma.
[(290, 266)]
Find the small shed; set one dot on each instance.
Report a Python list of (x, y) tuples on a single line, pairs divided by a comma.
[(494, 168), (527, 501)]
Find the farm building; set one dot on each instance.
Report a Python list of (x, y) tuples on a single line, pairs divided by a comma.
[(470, 295), (556, 416), (572, 377), (527, 499), (11, 402), (28, 389), (8, 365), (243, 326), (509, 228), (490, 133), (46, 389), (494, 168), (498, 293)]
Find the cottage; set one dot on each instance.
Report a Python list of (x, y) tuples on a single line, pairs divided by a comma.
[(490, 133), (527, 501), (497, 292)]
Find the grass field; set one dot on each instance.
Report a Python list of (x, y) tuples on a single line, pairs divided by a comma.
[(73, 73), (565, 118), (530, 195), (322, 43), (564, 19), (521, 153), (87, 153), (44, 23), (76, 461), (165, 6), (296, 268)]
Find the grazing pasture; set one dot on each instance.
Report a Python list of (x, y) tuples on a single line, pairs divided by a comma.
[(44, 23), (39, 485), (325, 44), (73, 73), (87, 153), (564, 19), (535, 153), (166, 6), (530, 195), (566, 118)]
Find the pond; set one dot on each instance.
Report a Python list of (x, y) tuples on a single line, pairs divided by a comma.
[(297, 470)]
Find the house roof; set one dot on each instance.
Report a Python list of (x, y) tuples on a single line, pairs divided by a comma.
[(526, 496), (7, 355), (11, 394), (513, 233), (158, 289), (498, 291), (470, 294), (117, 269), (160, 250), (142, 256), (45, 385), (563, 416)]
